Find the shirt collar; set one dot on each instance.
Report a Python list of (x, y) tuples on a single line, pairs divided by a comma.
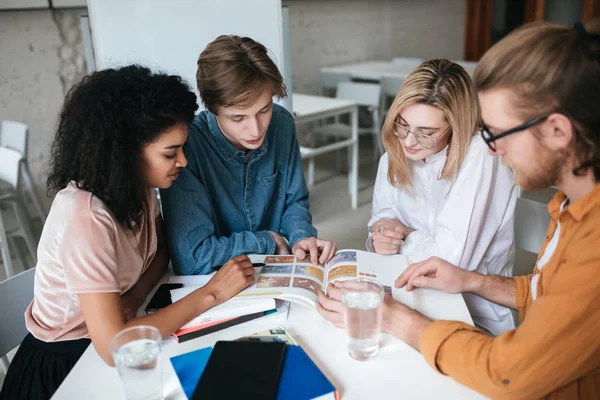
[(229, 150), (579, 209), (439, 156)]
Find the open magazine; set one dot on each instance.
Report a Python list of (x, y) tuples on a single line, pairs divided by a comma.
[(298, 281), (286, 277)]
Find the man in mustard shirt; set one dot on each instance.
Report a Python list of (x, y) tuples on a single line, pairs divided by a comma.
[(539, 90)]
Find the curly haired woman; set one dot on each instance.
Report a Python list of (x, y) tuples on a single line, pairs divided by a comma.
[(102, 249)]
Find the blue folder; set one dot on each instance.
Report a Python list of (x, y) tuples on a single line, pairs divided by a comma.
[(301, 379)]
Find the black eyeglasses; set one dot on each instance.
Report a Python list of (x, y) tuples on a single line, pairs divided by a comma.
[(490, 138)]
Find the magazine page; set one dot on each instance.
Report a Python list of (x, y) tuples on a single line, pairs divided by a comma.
[(351, 264), (287, 278)]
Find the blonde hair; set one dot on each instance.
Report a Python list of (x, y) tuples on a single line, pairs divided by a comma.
[(551, 68), (235, 70), (444, 85)]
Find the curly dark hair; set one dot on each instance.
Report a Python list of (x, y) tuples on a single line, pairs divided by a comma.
[(105, 122)]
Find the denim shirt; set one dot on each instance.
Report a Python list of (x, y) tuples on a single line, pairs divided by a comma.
[(223, 205)]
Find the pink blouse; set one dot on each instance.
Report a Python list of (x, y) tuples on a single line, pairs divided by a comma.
[(83, 249)]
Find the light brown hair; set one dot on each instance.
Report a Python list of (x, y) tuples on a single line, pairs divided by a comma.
[(444, 85), (235, 70), (551, 68)]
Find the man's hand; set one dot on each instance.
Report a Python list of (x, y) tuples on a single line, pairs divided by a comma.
[(281, 246), (330, 306), (388, 235), (232, 277), (314, 246), (403, 322), (434, 273)]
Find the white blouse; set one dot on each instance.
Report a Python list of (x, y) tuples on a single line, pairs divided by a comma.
[(468, 222)]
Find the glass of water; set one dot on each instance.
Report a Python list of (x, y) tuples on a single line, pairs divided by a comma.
[(362, 300), (136, 352)]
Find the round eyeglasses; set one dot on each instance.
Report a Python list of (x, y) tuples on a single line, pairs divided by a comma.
[(426, 141)]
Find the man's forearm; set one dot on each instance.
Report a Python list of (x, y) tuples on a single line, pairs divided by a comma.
[(407, 325), (497, 289)]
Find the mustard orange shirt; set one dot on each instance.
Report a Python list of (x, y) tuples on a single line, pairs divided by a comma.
[(83, 249), (555, 352)]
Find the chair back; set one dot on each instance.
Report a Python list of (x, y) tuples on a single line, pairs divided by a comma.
[(364, 94), (468, 65), (408, 61), (328, 81), (390, 86), (9, 166), (14, 136), (16, 294), (531, 224)]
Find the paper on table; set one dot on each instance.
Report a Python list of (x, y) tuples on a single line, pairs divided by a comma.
[(434, 304), (191, 280)]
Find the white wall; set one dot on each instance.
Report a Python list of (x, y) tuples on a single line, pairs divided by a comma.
[(329, 32), (42, 55)]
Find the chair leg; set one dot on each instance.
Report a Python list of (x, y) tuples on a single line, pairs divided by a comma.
[(338, 161), (14, 246), (311, 171), (378, 150), (37, 201), (25, 228), (6, 260), (350, 161), (5, 364)]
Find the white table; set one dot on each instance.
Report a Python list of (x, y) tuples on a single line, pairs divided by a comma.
[(375, 70), (398, 372), (309, 108)]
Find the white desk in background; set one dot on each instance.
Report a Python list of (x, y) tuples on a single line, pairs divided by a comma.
[(308, 108), (397, 372), (375, 70)]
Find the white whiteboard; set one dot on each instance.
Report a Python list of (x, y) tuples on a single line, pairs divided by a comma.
[(168, 35)]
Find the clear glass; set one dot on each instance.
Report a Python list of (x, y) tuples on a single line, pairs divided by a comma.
[(362, 300), (136, 352)]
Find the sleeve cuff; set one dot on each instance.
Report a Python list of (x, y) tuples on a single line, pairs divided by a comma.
[(266, 243), (299, 235), (369, 243), (522, 294), (412, 242), (434, 336)]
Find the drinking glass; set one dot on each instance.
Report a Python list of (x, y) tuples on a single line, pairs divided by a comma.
[(136, 352), (362, 300)]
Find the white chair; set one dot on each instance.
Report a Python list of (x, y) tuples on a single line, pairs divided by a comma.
[(14, 136), (389, 89), (364, 94), (408, 60), (15, 224), (16, 294), (531, 224), (328, 82)]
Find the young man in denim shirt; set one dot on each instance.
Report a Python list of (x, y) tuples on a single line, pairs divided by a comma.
[(243, 190)]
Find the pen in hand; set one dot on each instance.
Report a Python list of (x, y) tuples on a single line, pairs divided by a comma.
[(255, 265)]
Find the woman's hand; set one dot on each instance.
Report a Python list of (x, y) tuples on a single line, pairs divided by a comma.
[(388, 235), (231, 278)]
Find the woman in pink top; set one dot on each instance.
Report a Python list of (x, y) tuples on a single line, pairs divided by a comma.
[(102, 248)]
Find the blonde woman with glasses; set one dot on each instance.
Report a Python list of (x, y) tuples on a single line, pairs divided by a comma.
[(439, 193)]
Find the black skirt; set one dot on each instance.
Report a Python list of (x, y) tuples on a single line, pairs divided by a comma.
[(39, 368)]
